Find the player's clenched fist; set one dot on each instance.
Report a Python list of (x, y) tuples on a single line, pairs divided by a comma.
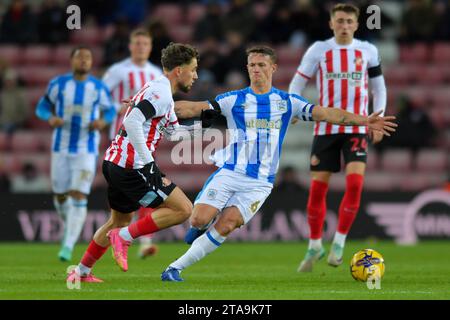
[(56, 122), (153, 175), (98, 124)]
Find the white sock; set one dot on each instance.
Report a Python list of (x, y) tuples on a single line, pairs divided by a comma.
[(339, 238), (84, 271), (315, 244), (146, 240), (202, 246), (125, 234), (75, 222), (62, 208)]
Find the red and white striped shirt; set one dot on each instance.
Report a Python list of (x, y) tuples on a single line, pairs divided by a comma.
[(342, 78), (158, 92), (124, 79)]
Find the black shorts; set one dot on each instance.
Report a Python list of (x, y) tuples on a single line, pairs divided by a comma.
[(326, 151), (128, 191)]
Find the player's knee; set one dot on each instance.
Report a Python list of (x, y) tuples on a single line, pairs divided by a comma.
[(120, 222), (61, 197), (77, 195), (226, 225), (199, 220), (225, 228)]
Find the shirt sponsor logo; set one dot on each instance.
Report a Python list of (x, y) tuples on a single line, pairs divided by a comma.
[(263, 124)]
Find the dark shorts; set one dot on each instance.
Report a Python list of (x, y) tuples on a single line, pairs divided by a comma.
[(128, 191), (326, 151)]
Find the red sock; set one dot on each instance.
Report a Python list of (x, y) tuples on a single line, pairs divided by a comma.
[(143, 226), (92, 254), (142, 212), (316, 208), (350, 203)]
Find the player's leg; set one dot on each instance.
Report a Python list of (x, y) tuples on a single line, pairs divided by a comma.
[(175, 209), (62, 203), (98, 246), (239, 210), (61, 199), (325, 159), (81, 172), (147, 247), (355, 155), (204, 214)]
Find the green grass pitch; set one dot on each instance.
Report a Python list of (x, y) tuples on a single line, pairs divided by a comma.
[(235, 271)]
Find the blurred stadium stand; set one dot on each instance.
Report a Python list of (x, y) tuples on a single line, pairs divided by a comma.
[(420, 71)]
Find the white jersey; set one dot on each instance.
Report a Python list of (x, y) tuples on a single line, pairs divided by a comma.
[(158, 92), (342, 78), (124, 79), (258, 124)]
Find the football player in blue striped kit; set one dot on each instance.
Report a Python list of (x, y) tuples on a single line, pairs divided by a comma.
[(77, 106), (258, 118)]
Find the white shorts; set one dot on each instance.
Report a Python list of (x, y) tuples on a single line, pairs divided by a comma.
[(226, 188), (73, 172)]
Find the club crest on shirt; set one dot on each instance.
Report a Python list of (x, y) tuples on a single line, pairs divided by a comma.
[(282, 105), (211, 194), (358, 61)]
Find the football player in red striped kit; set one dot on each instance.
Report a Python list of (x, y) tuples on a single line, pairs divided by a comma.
[(344, 68), (134, 179), (124, 79)]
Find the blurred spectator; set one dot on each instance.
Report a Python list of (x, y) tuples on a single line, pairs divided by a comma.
[(204, 88), (135, 10), (288, 181), (103, 11), (13, 104), (161, 39), (415, 129), (443, 26), (30, 181), (18, 24), (240, 18), (236, 59), (310, 17), (3, 69), (52, 23), (278, 25), (212, 60), (116, 47), (235, 81), (418, 21), (5, 183), (211, 23)]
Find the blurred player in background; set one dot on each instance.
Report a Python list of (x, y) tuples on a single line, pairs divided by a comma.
[(73, 105), (134, 179), (259, 117), (344, 67), (124, 79)]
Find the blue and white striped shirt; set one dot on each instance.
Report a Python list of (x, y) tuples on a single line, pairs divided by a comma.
[(258, 124), (79, 103)]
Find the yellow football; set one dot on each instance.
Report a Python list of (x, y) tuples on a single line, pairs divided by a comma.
[(366, 265)]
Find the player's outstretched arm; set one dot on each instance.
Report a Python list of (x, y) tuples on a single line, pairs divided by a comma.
[(190, 109), (341, 117)]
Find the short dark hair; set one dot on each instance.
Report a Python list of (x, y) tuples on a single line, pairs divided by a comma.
[(79, 47), (265, 50), (177, 54), (346, 7), (140, 32)]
